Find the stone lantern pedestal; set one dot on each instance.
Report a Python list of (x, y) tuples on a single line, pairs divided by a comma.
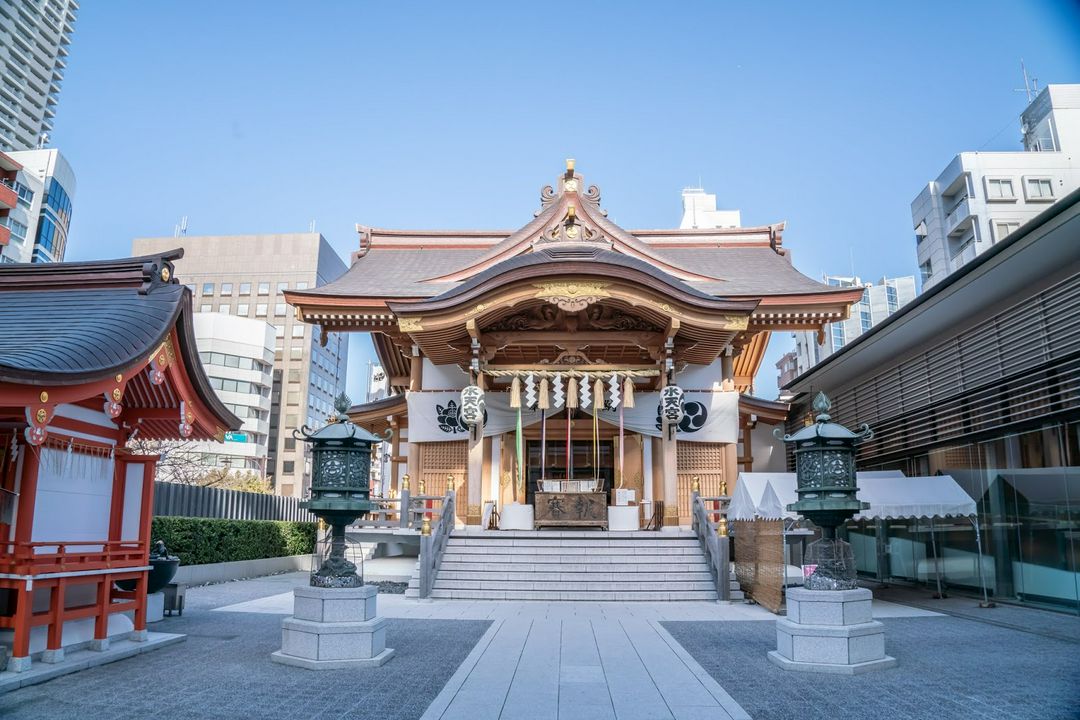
[(830, 631), (333, 628)]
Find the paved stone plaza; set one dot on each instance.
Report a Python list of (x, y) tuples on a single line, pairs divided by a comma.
[(562, 661)]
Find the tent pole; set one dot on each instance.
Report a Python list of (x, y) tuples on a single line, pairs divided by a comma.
[(978, 544), (937, 560)]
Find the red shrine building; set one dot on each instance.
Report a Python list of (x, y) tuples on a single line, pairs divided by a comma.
[(574, 331), (92, 356)]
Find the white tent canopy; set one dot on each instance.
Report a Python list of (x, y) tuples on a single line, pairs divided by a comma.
[(890, 494)]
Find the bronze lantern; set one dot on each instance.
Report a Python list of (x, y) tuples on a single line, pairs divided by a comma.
[(340, 489)]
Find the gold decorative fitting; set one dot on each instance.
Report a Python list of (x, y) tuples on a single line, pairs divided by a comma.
[(569, 166), (116, 394), (44, 396), (723, 488), (570, 185), (721, 527), (119, 377), (421, 486), (425, 526), (410, 325), (571, 213), (695, 484), (41, 415), (191, 417), (571, 296), (165, 274), (405, 481)]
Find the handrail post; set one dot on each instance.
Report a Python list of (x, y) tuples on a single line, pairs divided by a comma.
[(403, 512), (723, 569)]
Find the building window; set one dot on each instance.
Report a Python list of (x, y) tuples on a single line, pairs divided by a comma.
[(1039, 189), (1005, 228), (296, 353), (282, 286), (298, 331), (288, 467), (290, 443), (1000, 189), (294, 376), (243, 309), (292, 397), (279, 309), (206, 308), (264, 288), (301, 286), (245, 288), (279, 331), (208, 289), (260, 310), (226, 289), (926, 269), (224, 309)]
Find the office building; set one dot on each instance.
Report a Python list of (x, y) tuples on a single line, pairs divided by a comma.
[(246, 276), (878, 302), (977, 379), (41, 185), (699, 212), (237, 354), (982, 197), (34, 40)]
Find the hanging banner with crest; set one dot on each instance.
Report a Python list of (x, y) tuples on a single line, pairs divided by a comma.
[(707, 416)]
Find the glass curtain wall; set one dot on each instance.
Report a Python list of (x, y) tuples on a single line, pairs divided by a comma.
[(1027, 490)]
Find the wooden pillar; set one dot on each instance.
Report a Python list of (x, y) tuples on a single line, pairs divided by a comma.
[(24, 601), (24, 522), (146, 517), (669, 462), (56, 616), (101, 620), (727, 369), (730, 468), (390, 484), (416, 383)]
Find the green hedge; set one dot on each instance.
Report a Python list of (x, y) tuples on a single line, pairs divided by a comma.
[(198, 541)]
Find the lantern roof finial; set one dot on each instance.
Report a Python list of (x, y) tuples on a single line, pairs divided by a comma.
[(822, 405), (342, 403)]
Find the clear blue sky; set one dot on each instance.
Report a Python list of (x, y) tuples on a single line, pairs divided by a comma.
[(260, 117)]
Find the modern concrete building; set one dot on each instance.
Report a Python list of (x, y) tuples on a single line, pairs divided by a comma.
[(878, 302), (979, 379), (982, 197), (42, 184), (245, 276), (237, 354), (699, 212), (34, 40)]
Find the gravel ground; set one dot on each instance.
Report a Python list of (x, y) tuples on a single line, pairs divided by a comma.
[(223, 670), (950, 667)]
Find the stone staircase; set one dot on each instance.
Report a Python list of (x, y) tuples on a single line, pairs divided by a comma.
[(573, 565)]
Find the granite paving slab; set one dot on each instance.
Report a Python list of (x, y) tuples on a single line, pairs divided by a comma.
[(223, 671), (949, 667)]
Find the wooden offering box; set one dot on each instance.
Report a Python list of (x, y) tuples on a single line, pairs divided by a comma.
[(571, 509)]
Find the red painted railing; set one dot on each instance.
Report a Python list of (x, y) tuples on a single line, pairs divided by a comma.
[(39, 558)]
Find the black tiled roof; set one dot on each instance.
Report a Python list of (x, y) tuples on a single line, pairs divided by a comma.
[(78, 334)]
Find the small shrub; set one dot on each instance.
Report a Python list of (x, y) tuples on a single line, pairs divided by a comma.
[(198, 541)]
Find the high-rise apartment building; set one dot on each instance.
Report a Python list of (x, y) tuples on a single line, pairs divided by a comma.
[(34, 40), (982, 197), (37, 226), (245, 275), (878, 302)]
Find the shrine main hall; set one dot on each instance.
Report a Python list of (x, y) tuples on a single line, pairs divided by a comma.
[(572, 365)]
